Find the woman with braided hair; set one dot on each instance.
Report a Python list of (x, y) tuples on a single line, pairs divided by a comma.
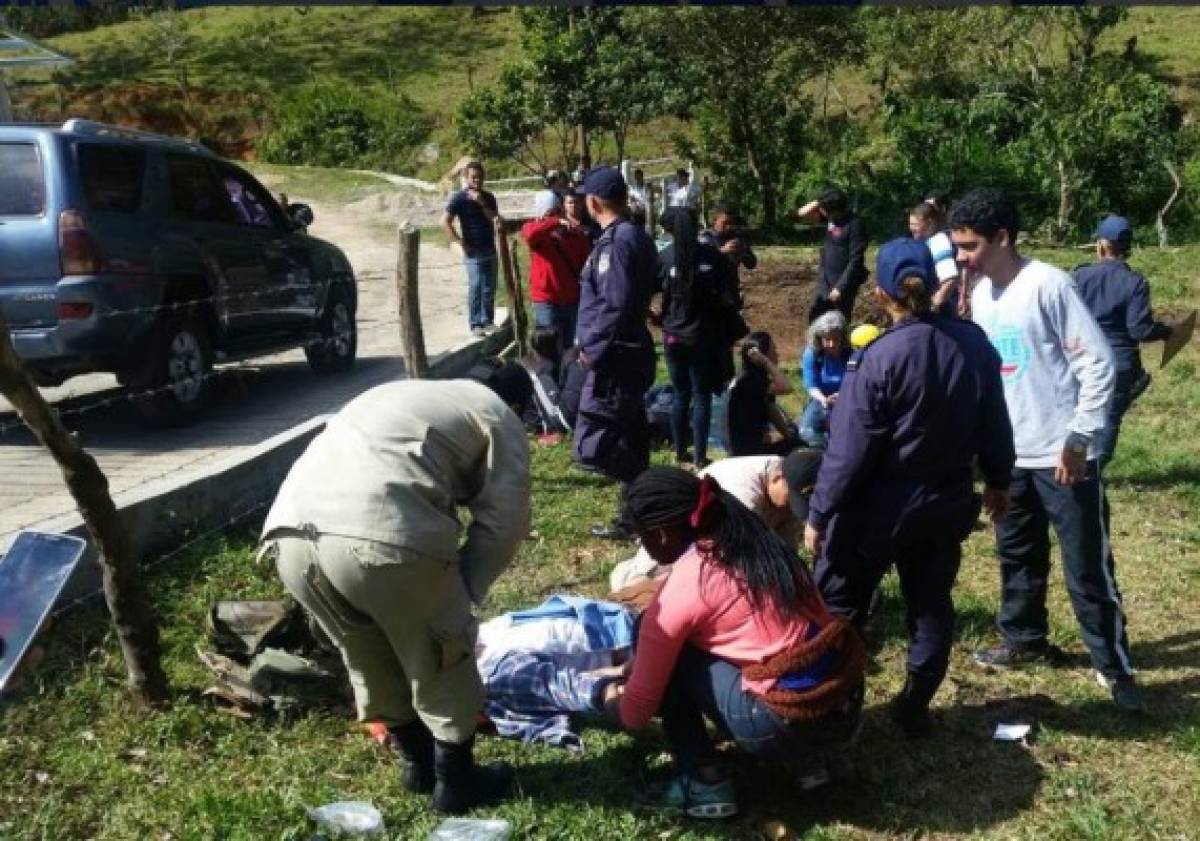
[(737, 634)]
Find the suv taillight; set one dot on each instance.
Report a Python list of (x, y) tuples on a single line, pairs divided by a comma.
[(76, 246)]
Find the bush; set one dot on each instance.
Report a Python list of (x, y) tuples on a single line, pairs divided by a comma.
[(335, 124)]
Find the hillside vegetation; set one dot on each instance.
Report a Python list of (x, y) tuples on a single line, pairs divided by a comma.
[(216, 73)]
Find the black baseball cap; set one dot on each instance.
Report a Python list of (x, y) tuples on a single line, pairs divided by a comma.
[(605, 182), (800, 469)]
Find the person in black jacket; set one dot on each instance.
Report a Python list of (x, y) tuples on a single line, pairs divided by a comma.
[(1119, 299), (699, 292), (843, 266)]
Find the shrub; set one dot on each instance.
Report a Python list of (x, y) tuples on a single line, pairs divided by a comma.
[(335, 124)]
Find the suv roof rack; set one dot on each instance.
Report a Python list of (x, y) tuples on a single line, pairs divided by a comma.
[(91, 128)]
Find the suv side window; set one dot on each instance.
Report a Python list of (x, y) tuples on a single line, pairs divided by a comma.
[(112, 177), (195, 194), (22, 184), (250, 203)]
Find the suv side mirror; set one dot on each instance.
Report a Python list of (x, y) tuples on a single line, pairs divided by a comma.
[(300, 214)]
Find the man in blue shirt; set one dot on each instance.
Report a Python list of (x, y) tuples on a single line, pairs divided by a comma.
[(1119, 300), (476, 212)]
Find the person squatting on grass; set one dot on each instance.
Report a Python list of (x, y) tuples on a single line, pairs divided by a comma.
[(755, 424), (476, 211), (365, 535), (737, 634), (822, 367), (1058, 376), (916, 408)]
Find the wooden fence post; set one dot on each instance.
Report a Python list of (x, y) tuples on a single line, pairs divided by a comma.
[(132, 617), (412, 334), (516, 300), (651, 215)]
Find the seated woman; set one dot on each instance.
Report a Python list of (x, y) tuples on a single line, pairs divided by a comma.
[(823, 366), (737, 634), (755, 425)]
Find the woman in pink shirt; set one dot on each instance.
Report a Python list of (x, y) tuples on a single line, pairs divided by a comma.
[(737, 634)]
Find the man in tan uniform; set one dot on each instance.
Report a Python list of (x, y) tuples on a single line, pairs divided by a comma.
[(365, 535)]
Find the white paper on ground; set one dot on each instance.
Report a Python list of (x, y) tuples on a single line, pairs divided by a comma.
[(1012, 732)]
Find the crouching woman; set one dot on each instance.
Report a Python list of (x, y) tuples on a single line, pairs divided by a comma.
[(737, 634)]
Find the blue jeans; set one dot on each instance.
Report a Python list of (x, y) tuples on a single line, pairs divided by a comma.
[(690, 371), (561, 316), (814, 425), (705, 686), (1078, 513), (481, 289)]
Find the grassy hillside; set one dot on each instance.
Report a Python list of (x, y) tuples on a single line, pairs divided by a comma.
[(232, 62)]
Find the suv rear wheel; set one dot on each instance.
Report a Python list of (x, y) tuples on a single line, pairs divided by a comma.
[(338, 343), (176, 373)]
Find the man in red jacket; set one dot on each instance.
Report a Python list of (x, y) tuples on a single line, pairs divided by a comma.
[(557, 251)]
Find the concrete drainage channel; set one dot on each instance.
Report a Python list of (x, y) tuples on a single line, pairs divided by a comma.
[(168, 514)]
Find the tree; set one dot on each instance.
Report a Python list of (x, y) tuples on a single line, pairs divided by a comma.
[(745, 68), (582, 71)]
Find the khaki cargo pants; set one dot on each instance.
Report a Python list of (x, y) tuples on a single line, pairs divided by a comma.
[(402, 622)]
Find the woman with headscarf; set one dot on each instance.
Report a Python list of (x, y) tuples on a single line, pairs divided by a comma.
[(699, 290), (823, 365), (737, 634)]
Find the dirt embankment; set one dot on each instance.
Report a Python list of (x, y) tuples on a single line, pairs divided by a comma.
[(778, 296)]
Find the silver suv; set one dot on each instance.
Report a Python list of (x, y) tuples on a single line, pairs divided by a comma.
[(151, 258)]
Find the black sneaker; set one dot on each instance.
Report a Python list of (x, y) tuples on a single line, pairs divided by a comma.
[(1007, 656), (1125, 693)]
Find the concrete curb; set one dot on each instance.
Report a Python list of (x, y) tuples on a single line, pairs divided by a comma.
[(166, 514)]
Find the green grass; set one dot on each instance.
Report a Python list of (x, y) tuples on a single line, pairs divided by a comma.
[(77, 762), (326, 184)]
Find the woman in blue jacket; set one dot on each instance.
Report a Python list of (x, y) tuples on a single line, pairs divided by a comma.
[(823, 366)]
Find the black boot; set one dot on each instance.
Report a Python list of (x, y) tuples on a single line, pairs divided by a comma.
[(461, 784), (910, 709), (414, 743)]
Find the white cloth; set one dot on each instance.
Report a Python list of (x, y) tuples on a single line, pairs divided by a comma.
[(1057, 367), (545, 202)]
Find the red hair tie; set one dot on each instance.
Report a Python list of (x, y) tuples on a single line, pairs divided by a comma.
[(702, 513)]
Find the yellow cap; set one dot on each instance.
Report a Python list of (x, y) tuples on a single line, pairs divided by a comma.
[(863, 335)]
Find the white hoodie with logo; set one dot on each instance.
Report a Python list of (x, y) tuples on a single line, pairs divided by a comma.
[(1058, 370)]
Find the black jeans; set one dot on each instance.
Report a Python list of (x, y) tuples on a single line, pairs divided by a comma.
[(691, 372), (703, 685), (1078, 514), (1128, 386)]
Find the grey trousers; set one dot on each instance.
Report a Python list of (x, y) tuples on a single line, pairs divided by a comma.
[(402, 622)]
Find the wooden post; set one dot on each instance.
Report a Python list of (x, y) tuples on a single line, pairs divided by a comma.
[(520, 319), (412, 334), (516, 308), (132, 617)]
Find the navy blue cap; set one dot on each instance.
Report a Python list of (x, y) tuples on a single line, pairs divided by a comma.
[(1114, 229), (605, 182), (902, 258)]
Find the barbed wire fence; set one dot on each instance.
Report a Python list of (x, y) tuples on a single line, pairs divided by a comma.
[(75, 406)]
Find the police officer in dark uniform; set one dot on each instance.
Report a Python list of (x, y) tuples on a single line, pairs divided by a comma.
[(916, 408), (612, 435), (1119, 299)]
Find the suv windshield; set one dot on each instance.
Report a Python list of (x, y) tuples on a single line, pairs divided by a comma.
[(22, 184)]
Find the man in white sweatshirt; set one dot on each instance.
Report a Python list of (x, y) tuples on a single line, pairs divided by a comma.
[(1058, 374)]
